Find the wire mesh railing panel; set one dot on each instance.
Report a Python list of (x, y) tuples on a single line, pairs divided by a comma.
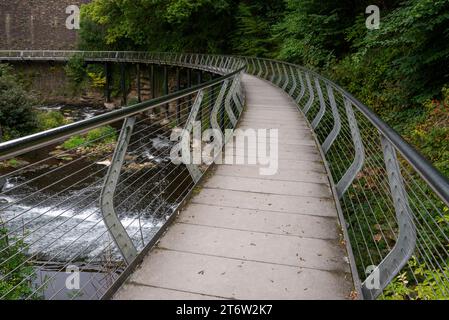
[(394, 203)]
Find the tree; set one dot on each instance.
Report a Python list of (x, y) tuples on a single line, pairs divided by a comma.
[(253, 31), (17, 117), (417, 36), (175, 25)]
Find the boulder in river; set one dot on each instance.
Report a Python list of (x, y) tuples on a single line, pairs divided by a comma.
[(110, 106)]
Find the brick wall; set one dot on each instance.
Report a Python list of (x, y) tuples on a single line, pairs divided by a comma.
[(36, 25)]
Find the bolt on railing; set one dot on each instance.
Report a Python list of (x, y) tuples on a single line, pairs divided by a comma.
[(393, 202)]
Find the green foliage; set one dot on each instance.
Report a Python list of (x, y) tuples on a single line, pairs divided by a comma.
[(97, 79), (49, 120), (427, 128), (103, 135), (176, 25), (74, 142), (430, 284), (76, 69), (17, 285), (16, 113), (402, 63), (253, 31)]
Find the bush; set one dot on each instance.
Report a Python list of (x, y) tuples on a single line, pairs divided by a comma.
[(50, 120), (403, 287), (18, 283), (76, 69)]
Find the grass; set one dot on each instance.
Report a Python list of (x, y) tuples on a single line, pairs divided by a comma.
[(100, 136)]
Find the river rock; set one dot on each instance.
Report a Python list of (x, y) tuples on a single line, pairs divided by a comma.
[(110, 106), (106, 163), (165, 122)]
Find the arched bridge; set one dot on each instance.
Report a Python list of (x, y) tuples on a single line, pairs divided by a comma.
[(264, 181)]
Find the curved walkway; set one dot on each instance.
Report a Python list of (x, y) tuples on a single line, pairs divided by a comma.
[(247, 236)]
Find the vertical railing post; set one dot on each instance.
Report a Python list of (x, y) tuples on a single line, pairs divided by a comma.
[(405, 245), (267, 72), (311, 95), (303, 88), (322, 110), (337, 121), (228, 99), (279, 72), (259, 74), (165, 88), (194, 170), (110, 217), (217, 106), (359, 157), (273, 74), (294, 85), (287, 78)]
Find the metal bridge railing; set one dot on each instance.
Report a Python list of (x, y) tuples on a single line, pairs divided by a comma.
[(90, 198), (393, 203), (218, 64)]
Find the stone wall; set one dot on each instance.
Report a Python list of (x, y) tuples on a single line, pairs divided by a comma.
[(36, 25)]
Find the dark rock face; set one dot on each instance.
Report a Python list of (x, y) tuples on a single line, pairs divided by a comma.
[(36, 25)]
